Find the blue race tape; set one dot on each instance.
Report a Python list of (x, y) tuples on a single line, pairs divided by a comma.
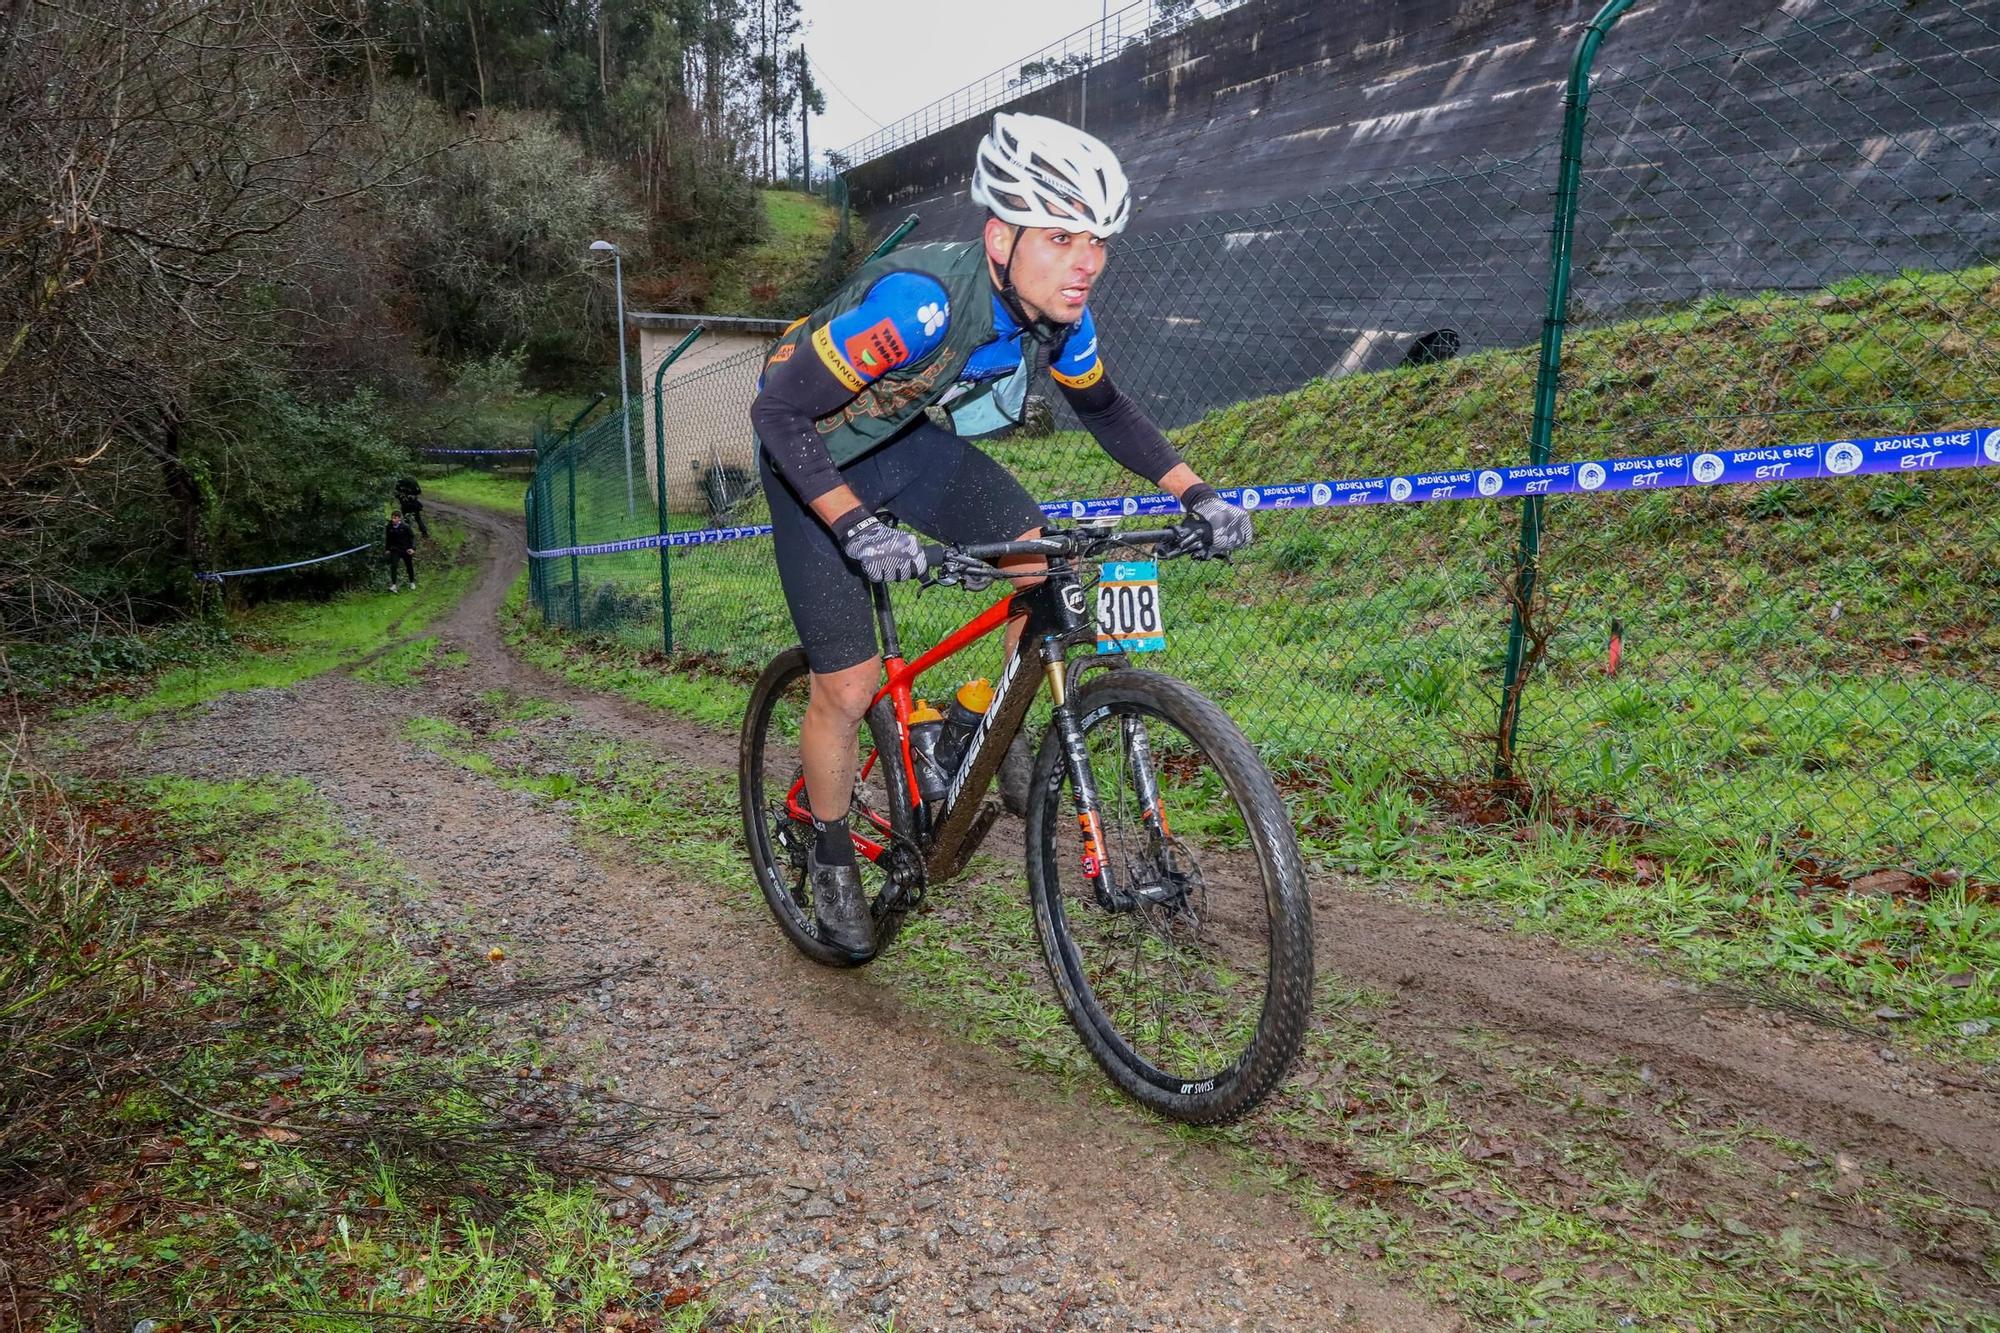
[(218, 575), (478, 451), (1937, 451), (703, 537)]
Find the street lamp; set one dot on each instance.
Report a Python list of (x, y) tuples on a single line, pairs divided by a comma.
[(624, 395)]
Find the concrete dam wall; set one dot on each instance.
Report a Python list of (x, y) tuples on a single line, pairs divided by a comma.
[(1328, 188)]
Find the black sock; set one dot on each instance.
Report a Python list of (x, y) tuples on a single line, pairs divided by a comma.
[(832, 846)]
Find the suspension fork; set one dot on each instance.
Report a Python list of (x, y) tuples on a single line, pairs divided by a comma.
[(1082, 784), (1139, 753)]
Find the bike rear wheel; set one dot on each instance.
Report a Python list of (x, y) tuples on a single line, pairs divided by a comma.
[(1192, 988), (778, 842)]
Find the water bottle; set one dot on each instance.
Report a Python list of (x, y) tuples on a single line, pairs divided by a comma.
[(967, 711), (927, 728)]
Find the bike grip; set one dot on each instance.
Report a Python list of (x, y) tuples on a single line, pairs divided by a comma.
[(933, 556)]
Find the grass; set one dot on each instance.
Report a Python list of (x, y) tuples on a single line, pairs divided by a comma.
[(406, 665), (480, 488), (1917, 962), (277, 644), (771, 276), (320, 1129), (1721, 903), (1558, 1231), (620, 666), (1516, 1187), (489, 409)]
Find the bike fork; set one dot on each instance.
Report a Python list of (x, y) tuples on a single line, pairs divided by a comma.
[(1146, 783), (1082, 785)]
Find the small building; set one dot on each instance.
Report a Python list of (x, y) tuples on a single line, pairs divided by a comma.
[(710, 455)]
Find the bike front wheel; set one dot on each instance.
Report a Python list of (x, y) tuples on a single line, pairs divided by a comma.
[(1189, 975)]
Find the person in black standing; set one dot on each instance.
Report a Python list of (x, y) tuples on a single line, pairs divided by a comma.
[(401, 540), (407, 492)]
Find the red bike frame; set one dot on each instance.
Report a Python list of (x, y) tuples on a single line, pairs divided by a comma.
[(898, 677)]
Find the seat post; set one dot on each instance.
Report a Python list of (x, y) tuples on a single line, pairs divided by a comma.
[(885, 616)]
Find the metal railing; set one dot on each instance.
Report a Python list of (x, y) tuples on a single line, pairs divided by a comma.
[(1131, 25)]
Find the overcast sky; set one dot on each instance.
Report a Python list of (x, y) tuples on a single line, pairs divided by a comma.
[(882, 59)]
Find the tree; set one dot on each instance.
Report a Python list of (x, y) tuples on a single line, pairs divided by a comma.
[(812, 102), (159, 158), (1050, 70), (491, 237)]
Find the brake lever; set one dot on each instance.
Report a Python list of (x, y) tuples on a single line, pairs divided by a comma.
[(1189, 543)]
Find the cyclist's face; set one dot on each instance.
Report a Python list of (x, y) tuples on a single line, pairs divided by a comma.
[(1053, 270)]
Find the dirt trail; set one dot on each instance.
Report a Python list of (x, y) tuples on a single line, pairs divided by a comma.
[(886, 1166), (882, 1166)]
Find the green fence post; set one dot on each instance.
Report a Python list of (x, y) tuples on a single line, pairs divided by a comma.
[(1541, 434), (894, 238), (569, 431), (660, 480), (538, 523), (528, 526), (575, 578)]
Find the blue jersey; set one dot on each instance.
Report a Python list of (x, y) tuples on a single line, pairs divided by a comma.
[(904, 317)]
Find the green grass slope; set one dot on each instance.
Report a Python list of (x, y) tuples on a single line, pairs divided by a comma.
[(1818, 658), (772, 276)]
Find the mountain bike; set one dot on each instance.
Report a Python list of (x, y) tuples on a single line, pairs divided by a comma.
[(1167, 887)]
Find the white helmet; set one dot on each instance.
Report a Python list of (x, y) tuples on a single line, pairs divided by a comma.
[(1036, 172)]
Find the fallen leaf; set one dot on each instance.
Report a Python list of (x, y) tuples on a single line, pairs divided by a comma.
[(495, 954), (1959, 980), (1517, 1272), (1889, 1015), (115, 1219), (1882, 881), (1645, 870), (277, 1134)]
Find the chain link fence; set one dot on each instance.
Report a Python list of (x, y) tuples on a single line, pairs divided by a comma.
[(1782, 237)]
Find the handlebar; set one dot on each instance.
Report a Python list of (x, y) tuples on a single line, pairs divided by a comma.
[(976, 558)]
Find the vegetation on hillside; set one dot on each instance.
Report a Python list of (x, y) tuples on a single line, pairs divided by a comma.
[(783, 275)]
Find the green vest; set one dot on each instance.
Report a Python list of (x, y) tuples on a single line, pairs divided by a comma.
[(889, 405)]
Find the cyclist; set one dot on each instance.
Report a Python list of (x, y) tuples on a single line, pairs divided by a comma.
[(842, 420)]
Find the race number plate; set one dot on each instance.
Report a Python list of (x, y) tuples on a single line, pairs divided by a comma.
[(1129, 618)]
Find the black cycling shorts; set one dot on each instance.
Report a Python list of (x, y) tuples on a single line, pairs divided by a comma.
[(930, 480)]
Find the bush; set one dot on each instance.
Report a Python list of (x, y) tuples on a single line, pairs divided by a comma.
[(493, 235)]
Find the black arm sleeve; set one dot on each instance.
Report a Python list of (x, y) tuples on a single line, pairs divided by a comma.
[(1122, 428), (795, 394)]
